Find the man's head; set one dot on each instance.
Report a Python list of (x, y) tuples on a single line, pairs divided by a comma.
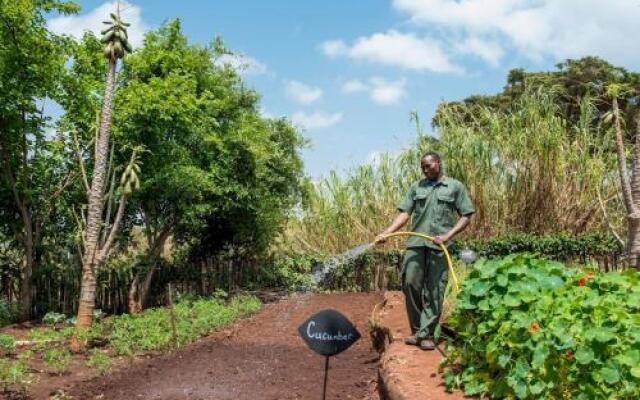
[(430, 165)]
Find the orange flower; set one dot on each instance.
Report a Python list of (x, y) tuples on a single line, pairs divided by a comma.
[(534, 328), (590, 274), (582, 281), (569, 355)]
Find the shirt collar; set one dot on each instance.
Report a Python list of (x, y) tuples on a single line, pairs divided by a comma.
[(444, 180)]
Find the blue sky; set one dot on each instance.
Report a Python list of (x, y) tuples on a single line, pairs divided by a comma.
[(349, 72)]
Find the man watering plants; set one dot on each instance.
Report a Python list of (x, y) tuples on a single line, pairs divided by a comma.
[(440, 207)]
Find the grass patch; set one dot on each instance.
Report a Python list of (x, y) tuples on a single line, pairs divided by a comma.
[(58, 359), (99, 361), (15, 376), (152, 330)]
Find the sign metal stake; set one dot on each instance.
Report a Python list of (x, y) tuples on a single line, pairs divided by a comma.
[(326, 373)]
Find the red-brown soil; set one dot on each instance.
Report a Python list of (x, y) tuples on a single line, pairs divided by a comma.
[(258, 358), (408, 372)]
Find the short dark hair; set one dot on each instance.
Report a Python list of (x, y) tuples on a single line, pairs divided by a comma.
[(432, 154)]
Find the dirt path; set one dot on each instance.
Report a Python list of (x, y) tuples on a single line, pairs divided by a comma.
[(259, 358)]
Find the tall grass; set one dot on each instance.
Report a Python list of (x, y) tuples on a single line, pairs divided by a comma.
[(528, 170)]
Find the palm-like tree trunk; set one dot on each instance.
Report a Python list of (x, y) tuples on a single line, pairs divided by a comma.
[(96, 203), (630, 187)]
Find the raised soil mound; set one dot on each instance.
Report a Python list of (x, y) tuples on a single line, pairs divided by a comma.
[(406, 372)]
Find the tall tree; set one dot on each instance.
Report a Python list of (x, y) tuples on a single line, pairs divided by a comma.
[(215, 168), (116, 46), (34, 168)]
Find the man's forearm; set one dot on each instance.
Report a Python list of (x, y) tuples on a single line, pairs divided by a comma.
[(398, 222), (458, 227)]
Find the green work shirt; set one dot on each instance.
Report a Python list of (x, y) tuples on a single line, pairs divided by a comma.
[(434, 209)]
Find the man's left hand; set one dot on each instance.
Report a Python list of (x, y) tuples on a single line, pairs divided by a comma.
[(440, 240)]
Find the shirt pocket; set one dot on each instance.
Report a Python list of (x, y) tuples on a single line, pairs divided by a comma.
[(419, 200), (446, 208)]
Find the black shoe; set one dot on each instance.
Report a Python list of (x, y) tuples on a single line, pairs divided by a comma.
[(427, 344), (411, 340)]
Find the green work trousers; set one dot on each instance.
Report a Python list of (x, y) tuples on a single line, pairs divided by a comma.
[(424, 280)]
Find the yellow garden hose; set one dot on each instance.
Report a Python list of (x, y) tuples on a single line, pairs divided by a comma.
[(454, 277)]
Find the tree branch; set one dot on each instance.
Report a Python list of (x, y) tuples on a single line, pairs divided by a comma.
[(104, 249)]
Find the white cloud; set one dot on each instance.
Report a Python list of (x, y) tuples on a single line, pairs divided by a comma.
[(76, 25), (387, 92), (380, 90), (315, 120), (557, 29), (489, 51), (333, 48), (245, 65), (393, 48), (302, 93), (354, 86)]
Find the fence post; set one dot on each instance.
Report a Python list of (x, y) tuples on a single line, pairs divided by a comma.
[(172, 318)]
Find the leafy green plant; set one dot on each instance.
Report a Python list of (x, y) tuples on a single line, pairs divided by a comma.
[(7, 342), (15, 375), (53, 318), (8, 312), (560, 246), (152, 330), (530, 328), (45, 336), (58, 359), (100, 361)]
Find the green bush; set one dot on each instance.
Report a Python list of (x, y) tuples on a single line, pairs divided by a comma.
[(15, 376), (287, 271), (100, 361), (8, 312), (530, 328), (53, 318), (561, 246), (7, 342), (58, 359)]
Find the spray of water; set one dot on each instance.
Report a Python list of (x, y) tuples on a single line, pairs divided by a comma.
[(320, 271)]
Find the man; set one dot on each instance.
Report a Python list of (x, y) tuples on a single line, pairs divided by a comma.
[(431, 204)]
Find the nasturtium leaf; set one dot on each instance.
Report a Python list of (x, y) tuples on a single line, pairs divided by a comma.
[(503, 360), (584, 355), (539, 356), (603, 335), (479, 289), (488, 271), (631, 358), (502, 280), (520, 389), (511, 301), (635, 372), (537, 388), (610, 375)]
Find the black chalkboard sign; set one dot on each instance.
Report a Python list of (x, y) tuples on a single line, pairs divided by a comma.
[(328, 332)]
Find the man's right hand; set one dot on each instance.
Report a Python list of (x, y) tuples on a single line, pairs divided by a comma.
[(381, 238)]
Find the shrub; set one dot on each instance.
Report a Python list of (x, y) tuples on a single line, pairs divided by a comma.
[(531, 328), (53, 318), (8, 312), (15, 376), (7, 342), (58, 359), (100, 361)]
